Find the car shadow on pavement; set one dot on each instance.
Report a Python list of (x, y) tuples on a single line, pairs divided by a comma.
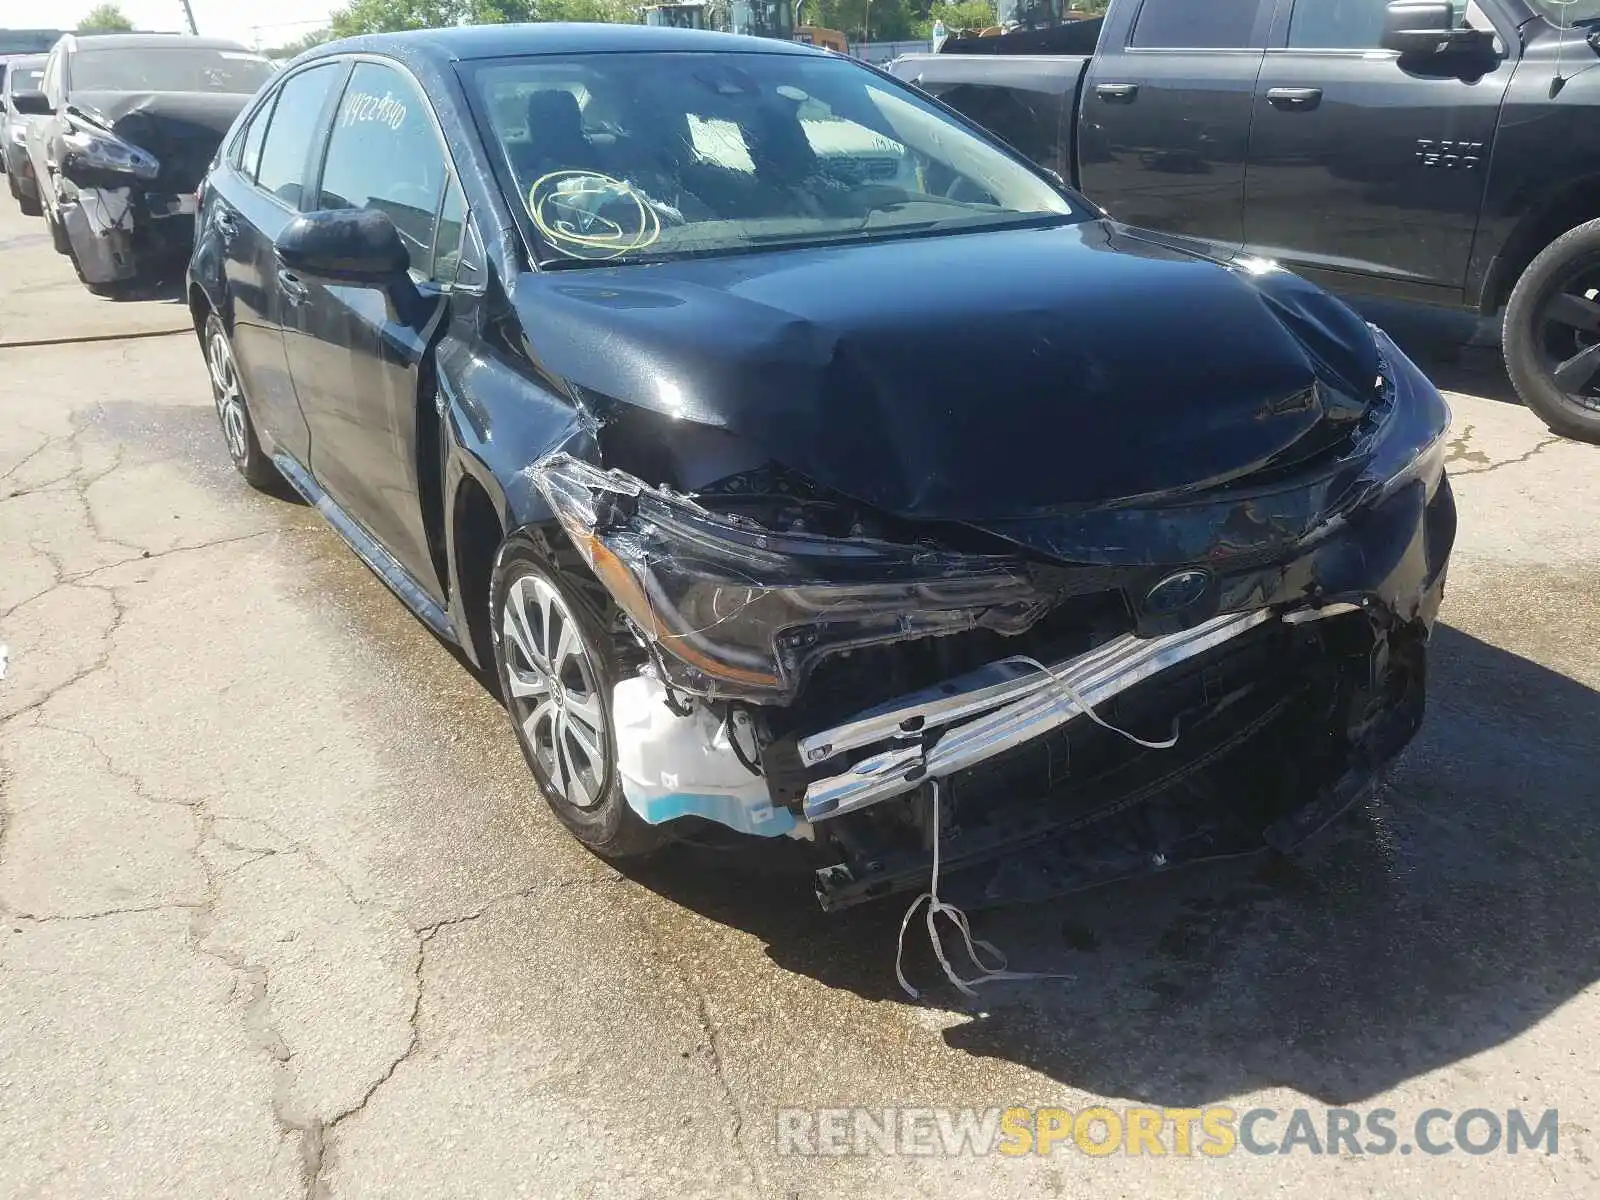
[(166, 288), (1453, 913)]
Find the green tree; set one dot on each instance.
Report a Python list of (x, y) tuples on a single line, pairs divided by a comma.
[(387, 16), (502, 12), (961, 14), (614, 12), (885, 20), (105, 18), (300, 44)]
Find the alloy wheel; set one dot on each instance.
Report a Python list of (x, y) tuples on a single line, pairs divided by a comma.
[(229, 396), (554, 693), (1569, 336)]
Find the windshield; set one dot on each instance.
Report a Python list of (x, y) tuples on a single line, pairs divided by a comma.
[(169, 69), (629, 157), (1569, 12), (22, 78)]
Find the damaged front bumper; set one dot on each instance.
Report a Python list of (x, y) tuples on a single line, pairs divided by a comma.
[(1277, 633), (117, 231)]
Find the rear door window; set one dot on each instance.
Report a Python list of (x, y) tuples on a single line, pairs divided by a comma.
[(248, 156), (384, 154), (1196, 24), (296, 121)]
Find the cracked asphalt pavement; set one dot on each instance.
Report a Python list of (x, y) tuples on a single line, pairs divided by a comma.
[(282, 915)]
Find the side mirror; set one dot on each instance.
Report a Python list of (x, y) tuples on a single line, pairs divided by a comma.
[(31, 104), (344, 245), (1425, 28)]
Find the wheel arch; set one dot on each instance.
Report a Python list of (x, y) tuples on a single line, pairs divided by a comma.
[(1572, 206)]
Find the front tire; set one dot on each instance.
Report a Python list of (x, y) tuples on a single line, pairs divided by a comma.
[(557, 666), (233, 410), (59, 238), (1552, 334)]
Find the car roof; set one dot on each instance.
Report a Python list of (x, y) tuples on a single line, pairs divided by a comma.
[(467, 42), (144, 41)]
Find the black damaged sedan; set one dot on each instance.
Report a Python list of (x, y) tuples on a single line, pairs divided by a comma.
[(806, 462)]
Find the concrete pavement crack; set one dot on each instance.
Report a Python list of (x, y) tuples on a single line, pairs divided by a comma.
[(100, 663), (79, 577), (316, 1144), (1510, 462), (60, 918), (720, 1069)]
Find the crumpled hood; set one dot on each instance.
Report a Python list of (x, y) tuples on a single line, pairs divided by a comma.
[(182, 129), (971, 377)]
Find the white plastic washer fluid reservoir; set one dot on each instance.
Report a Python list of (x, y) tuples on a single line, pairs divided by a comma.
[(674, 766)]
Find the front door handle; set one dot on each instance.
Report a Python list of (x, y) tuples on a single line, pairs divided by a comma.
[(294, 291), (1117, 93), (1294, 99)]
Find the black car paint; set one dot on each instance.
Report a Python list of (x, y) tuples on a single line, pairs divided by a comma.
[(845, 337), (511, 363), (1434, 182)]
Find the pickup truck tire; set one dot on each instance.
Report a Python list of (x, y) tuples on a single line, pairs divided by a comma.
[(547, 640), (29, 205), (1553, 320)]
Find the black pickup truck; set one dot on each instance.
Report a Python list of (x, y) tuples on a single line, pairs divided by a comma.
[(1425, 150)]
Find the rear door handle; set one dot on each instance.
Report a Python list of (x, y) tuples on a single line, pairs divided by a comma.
[(1117, 93), (1294, 99), (294, 291)]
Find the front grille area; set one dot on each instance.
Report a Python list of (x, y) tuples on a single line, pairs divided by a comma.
[(847, 683), (1267, 723)]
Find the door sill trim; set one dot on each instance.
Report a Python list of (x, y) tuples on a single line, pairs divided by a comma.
[(383, 564)]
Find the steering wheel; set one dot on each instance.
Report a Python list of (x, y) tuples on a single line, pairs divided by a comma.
[(960, 184)]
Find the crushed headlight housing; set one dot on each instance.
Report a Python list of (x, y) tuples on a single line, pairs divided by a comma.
[(741, 612), (1411, 444), (102, 150)]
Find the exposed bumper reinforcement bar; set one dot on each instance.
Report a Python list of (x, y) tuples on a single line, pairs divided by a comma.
[(1003, 705)]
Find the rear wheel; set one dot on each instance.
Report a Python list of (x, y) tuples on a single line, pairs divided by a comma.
[(233, 411), (1552, 334), (557, 666)]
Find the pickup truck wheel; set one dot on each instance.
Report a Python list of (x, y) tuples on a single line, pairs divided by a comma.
[(556, 668), (1552, 334), (29, 205)]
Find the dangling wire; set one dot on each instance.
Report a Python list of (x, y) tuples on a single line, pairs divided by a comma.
[(937, 907), (1076, 697)]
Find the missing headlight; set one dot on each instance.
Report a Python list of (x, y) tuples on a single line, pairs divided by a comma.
[(743, 612)]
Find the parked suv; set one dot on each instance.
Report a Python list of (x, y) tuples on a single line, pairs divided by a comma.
[(129, 124), (23, 76)]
